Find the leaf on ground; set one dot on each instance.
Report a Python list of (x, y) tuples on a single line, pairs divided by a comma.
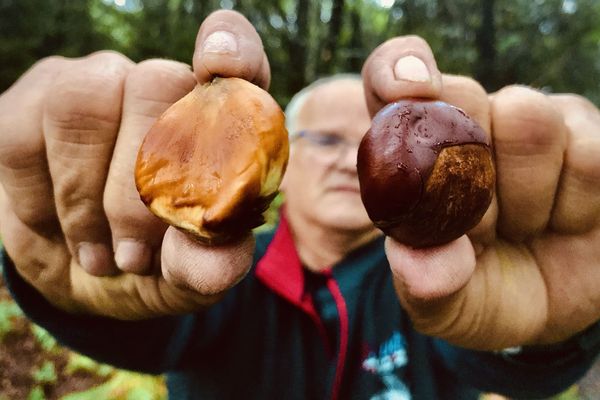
[(571, 394), (8, 311), (45, 374), (125, 385), (37, 393), (45, 340), (81, 363)]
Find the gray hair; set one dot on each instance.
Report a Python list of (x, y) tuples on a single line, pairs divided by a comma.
[(297, 102)]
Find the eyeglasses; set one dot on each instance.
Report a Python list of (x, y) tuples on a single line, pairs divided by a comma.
[(326, 144)]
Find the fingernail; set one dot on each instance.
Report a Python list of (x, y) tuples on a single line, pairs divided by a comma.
[(220, 42), (95, 259), (133, 256), (411, 68)]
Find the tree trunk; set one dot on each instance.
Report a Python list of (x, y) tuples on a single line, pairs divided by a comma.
[(356, 59), (298, 48), (199, 11), (486, 47), (409, 17), (327, 59)]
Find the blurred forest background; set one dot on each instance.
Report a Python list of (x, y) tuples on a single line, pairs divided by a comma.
[(553, 45), (549, 44)]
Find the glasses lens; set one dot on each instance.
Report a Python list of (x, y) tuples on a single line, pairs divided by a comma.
[(327, 140), (325, 144)]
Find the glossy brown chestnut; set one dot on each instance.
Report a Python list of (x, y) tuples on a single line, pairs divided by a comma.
[(426, 172), (213, 162)]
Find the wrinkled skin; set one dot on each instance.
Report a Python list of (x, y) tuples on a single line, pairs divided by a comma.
[(71, 220)]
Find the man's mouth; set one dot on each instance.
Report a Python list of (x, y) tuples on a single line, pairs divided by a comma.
[(346, 188)]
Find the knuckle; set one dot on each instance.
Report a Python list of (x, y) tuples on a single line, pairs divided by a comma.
[(572, 98), (577, 106), (33, 81), (128, 217), (466, 93), (464, 83), (110, 57), (79, 207), (521, 94), (18, 152), (16, 162), (74, 196), (74, 87), (175, 79), (525, 114), (82, 100), (29, 253), (159, 66), (79, 221), (133, 215), (49, 64), (21, 111), (29, 213)]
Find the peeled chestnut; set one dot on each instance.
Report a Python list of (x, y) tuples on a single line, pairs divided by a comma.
[(213, 162), (426, 172)]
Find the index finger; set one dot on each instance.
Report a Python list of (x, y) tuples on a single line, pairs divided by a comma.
[(24, 171), (577, 203), (228, 45)]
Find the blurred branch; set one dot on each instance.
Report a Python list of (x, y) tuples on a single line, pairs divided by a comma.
[(328, 52), (486, 47), (298, 48)]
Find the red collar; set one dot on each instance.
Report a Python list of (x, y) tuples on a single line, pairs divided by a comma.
[(281, 271)]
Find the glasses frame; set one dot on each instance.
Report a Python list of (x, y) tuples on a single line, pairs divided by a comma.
[(332, 151)]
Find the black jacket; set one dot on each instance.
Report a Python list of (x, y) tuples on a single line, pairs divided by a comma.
[(285, 333)]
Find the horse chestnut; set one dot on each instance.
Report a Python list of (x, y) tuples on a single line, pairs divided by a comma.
[(213, 162), (426, 172)]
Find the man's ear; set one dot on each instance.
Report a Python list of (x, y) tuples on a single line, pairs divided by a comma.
[(290, 166), (283, 185)]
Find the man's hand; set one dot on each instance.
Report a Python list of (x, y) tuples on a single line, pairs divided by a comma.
[(529, 273), (70, 216)]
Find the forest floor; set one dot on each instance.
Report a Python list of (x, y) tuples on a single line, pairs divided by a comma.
[(34, 367)]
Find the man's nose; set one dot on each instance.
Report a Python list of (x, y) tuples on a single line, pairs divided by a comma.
[(347, 159)]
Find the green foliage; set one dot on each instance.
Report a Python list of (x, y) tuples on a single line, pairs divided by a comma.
[(571, 394), (8, 311), (45, 340), (32, 29), (80, 363), (550, 44), (124, 386), (46, 374), (37, 393)]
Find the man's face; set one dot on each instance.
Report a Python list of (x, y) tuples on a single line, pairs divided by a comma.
[(321, 183)]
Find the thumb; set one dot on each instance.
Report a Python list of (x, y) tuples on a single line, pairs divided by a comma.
[(399, 68), (430, 281), (489, 300), (205, 270), (228, 45)]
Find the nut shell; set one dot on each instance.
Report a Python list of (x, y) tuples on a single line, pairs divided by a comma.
[(426, 172), (213, 162)]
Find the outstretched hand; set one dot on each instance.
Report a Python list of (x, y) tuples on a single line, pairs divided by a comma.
[(70, 216), (529, 272)]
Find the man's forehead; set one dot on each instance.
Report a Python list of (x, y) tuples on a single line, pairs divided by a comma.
[(342, 97)]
